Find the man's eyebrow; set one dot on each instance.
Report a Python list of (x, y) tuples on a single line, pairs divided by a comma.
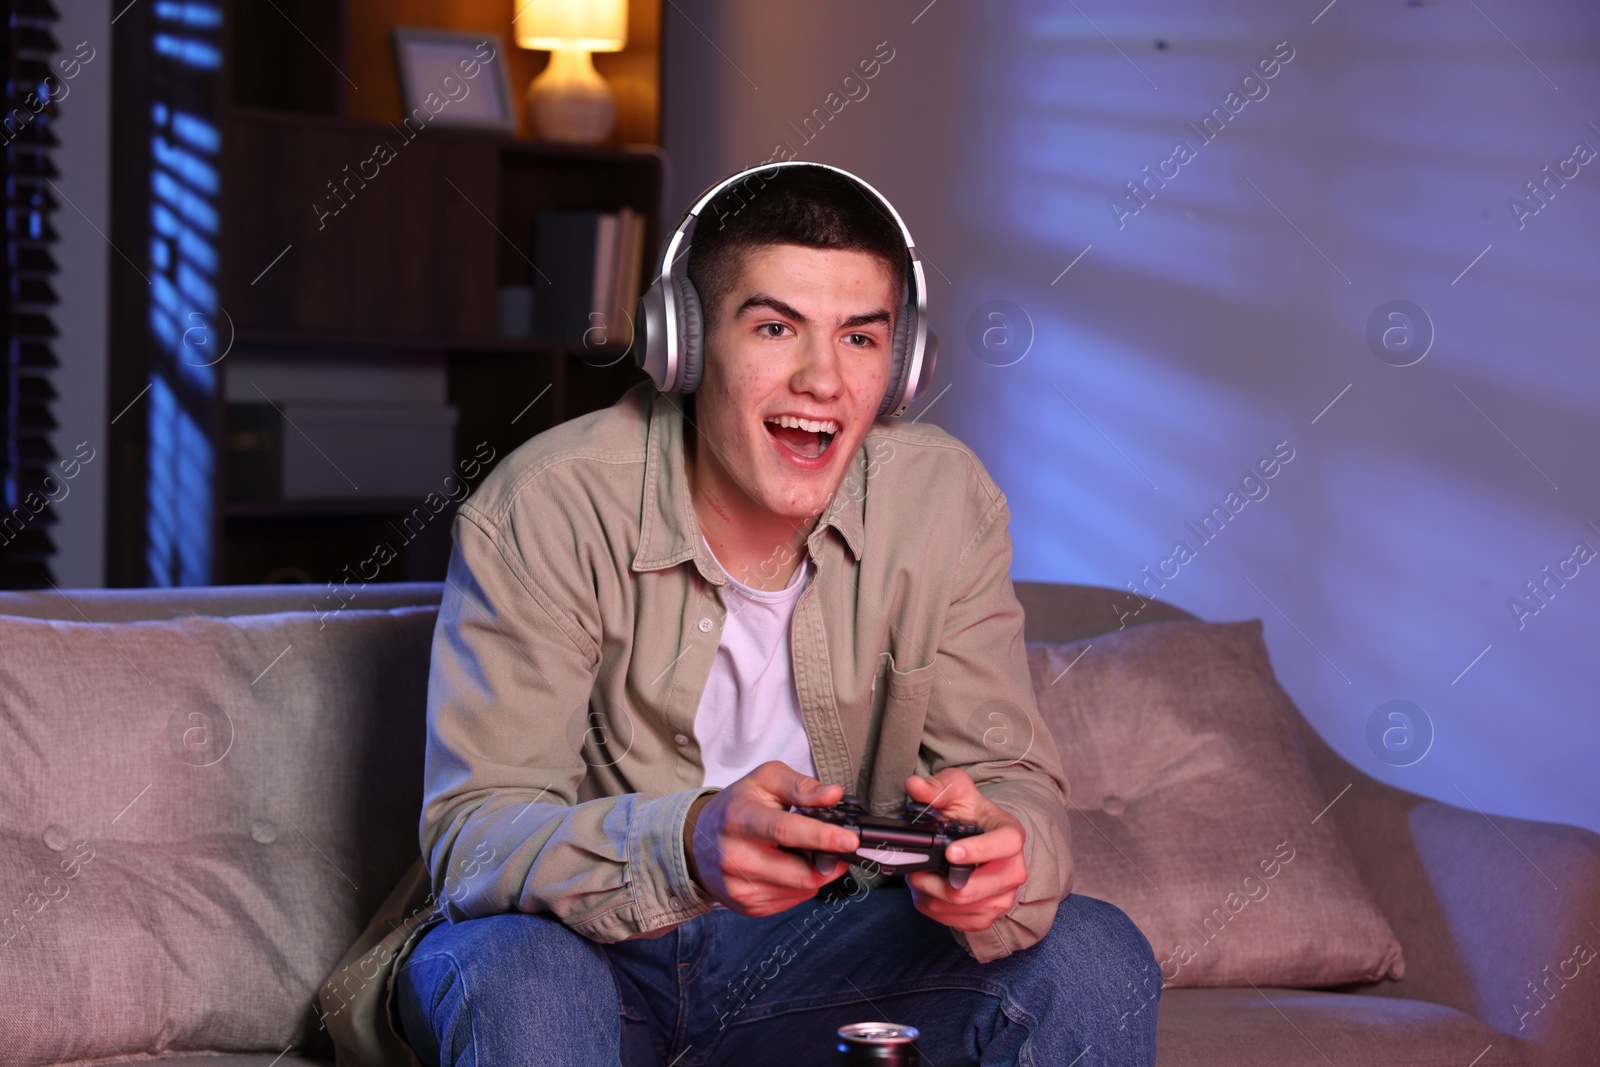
[(765, 300), (867, 318)]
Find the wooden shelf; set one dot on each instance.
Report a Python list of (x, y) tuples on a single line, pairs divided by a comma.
[(519, 148), (280, 509), (515, 147), (602, 356), (321, 244), (378, 342), (409, 255)]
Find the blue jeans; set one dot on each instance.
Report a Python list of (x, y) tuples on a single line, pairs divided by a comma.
[(514, 989)]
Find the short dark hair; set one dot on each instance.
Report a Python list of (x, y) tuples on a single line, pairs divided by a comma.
[(811, 206)]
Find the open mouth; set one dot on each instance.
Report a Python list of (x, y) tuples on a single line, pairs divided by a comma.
[(808, 438)]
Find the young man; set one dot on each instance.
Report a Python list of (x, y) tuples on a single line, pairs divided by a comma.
[(668, 622)]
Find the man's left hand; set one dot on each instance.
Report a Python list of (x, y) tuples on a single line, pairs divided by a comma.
[(995, 854)]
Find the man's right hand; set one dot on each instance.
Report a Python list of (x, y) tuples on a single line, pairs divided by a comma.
[(737, 838)]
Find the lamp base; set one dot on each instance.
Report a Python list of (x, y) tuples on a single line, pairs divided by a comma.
[(570, 102)]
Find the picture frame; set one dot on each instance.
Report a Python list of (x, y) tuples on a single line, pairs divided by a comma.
[(455, 79)]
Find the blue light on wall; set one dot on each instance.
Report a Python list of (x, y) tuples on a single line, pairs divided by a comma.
[(182, 267), (1220, 306)]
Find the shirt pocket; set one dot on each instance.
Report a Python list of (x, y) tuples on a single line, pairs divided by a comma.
[(900, 707)]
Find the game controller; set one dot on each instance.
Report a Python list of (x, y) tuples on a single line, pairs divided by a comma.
[(914, 840)]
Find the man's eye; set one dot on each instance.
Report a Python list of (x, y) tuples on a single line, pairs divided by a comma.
[(861, 340), (777, 327)]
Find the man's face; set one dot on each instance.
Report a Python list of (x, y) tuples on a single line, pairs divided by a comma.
[(803, 332)]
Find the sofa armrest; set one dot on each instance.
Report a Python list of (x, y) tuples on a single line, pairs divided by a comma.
[(1497, 917)]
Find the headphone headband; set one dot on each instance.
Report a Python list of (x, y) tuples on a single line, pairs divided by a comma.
[(670, 317)]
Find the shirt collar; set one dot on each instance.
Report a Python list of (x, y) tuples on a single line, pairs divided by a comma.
[(669, 530)]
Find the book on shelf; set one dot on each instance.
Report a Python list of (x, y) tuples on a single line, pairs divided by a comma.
[(585, 276)]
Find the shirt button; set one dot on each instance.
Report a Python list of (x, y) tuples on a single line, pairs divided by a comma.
[(705, 626), (677, 905), (682, 739)]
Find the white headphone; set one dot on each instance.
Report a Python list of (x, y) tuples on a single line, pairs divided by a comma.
[(672, 348)]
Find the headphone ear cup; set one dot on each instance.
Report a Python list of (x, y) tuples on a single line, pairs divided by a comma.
[(649, 335), (691, 345), (899, 358)]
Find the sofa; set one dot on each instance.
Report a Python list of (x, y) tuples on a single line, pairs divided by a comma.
[(207, 794)]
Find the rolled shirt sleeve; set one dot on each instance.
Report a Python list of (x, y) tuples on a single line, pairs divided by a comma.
[(502, 825), (982, 717)]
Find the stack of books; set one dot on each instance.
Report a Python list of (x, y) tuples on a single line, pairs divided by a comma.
[(585, 278)]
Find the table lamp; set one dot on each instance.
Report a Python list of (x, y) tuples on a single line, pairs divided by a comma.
[(570, 101)]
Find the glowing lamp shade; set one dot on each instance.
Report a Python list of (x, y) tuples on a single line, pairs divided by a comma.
[(570, 101), (592, 25)]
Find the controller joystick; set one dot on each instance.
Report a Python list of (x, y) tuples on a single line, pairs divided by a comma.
[(913, 840)]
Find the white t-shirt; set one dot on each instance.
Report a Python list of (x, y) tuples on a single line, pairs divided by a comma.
[(750, 710)]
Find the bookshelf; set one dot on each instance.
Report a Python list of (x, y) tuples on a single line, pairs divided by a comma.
[(402, 273)]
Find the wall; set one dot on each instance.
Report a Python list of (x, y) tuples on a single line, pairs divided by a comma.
[(1149, 352), (83, 220)]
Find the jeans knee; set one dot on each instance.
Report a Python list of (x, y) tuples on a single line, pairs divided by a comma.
[(498, 974), (1103, 933), (1105, 942), (428, 1000), (515, 943), (1091, 981), (1108, 926)]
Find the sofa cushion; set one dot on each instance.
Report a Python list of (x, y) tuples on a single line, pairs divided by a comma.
[(197, 817), (1267, 1027), (203, 1059), (1195, 811)]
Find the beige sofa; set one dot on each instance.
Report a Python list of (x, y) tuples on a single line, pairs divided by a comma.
[(1486, 909)]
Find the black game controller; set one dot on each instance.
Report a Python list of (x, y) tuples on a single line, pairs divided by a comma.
[(897, 844)]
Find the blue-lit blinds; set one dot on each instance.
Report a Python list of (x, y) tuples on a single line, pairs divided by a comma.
[(29, 478)]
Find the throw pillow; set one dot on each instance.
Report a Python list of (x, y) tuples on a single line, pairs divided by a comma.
[(197, 818), (1195, 811)]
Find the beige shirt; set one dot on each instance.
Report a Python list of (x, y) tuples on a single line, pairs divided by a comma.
[(579, 623)]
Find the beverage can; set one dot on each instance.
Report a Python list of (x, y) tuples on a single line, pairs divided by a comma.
[(878, 1045)]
